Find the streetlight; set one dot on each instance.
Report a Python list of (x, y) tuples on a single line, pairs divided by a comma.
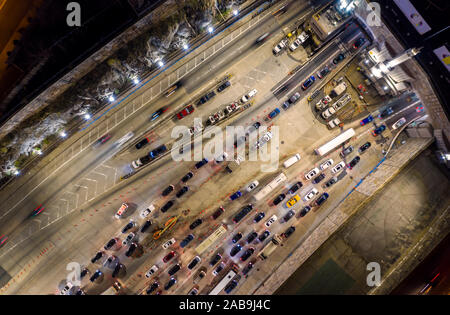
[(235, 12), (87, 116), (160, 63), (63, 134), (185, 46), (210, 29), (111, 98), (136, 80)]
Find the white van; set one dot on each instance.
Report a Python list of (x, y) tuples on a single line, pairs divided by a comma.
[(294, 159)]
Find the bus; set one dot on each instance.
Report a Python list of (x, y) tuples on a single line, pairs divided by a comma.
[(223, 283), (210, 240), (333, 144), (270, 186)]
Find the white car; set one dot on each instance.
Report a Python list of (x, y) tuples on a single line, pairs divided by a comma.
[(310, 195), (146, 212), (128, 239), (399, 123), (312, 173), (137, 163), (330, 111), (249, 95), (280, 47), (123, 208), (151, 271), (125, 138), (222, 157), (295, 44), (111, 262), (271, 220), (66, 289), (264, 139), (195, 129), (169, 243), (252, 185), (326, 164), (333, 123), (338, 167)]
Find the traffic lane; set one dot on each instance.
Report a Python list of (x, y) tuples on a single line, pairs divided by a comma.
[(409, 113)]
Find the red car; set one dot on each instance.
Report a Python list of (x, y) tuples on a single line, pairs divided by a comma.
[(187, 111), (169, 256), (3, 240)]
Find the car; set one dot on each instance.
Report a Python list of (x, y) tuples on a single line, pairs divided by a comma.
[(280, 47), (263, 235), (245, 210), (251, 237), (271, 220), (364, 147), (220, 267), (264, 139), (253, 128), (236, 249), (221, 157), (236, 195), (289, 215), (144, 213), (194, 262), (326, 164), (305, 211), (172, 89), (97, 256), (333, 123), (169, 284), (399, 123), (420, 108), (252, 186), (141, 161), (273, 113), (313, 95), (308, 82), (145, 226), (338, 58), (292, 201), (131, 249), (318, 178), (312, 173), (223, 86), (295, 44), (153, 287), (230, 286), (187, 177), (95, 276), (285, 105), (346, 151), (157, 113), (187, 240), (167, 205), (80, 292), (201, 273), (259, 217), (366, 120), (142, 143), (236, 237), (66, 288), (185, 112), (294, 98), (167, 190), (247, 269), (169, 256), (215, 260), (323, 102), (169, 243), (195, 224), (288, 232), (122, 210), (239, 141), (174, 269), (111, 262), (3, 240), (84, 272), (338, 167), (129, 226), (248, 96), (387, 112), (358, 43), (111, 243), (295, 187), (103, 139), (262, 38), (321, 199), (310, 195), (330, 182), (323, 72), (217, 213), (246, 255), (378, 130), (279, 199), (353, 162), (159, 150), (201, 163), (206, 98), (182, 191), (151, 271)]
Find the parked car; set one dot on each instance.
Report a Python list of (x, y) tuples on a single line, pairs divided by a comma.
[(215, 260), (288, 232), (167, 205), (251, 237), (308, 82), (220, 267), (289, 215), (169, 284), (271, 220), (195, 224), (252, 186), (248, 96), (359, 42), (111, 262), (187, 240), (130, 237), (364, 147), (168, 190), (194, 262), (182, 191), (338, 167), (330, 182), (312, 173), (185, 112), (339, 58), (111, 243), (263, 235), (236, 249), (273, 113), (131, 249), (174, 269), (318, 178), (187, 177), (366, 120), (259, 217), (285, 105), (346, 151), (310, 195), (246, 255), (129, 226), (142, 143), (245, 210), (326, 164), (294, 98), (156, 152), (305, 211), (295, 187), (399, 123), (230, 286), (295, 44), (378, 130), (387, 112), (122, 210), (217, 213), (151, 271), (236, 195), (279, 199), (206, 98), (323, 72), (322, 199), (280, 47), (95, 276), (223, 86), (144, 213), (169, 256), (353, 162), (292, 201), (97, 256), (236, 237), (152, 287), (145, 226), (201, 163)]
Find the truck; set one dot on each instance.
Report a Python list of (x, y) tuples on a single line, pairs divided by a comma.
[(336, 106), (270, 186), (270, 247), (338, 90)]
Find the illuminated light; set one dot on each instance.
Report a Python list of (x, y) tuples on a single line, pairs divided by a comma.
[(16, 172), (235, 12), (185, 46), (111, 98), (385, 88), (87, 116), (210, 29), (447, 156), (63, 134), (160, 63), (136, 81)]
